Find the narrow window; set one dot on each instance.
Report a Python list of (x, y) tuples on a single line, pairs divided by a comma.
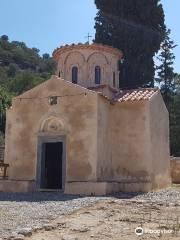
[(114, 79), (75, 75), (97, 75), (53, 100)]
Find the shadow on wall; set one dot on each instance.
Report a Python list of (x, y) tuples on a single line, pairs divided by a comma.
[(55, 196)]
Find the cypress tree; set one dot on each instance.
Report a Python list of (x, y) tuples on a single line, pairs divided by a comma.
[(175, 125), (137, 28), (165, 70), (169, 83)]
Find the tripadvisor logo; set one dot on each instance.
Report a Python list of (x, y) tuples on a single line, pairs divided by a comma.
[(139, 231)]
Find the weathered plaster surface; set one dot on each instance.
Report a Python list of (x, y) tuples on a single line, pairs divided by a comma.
[(125, 144), (86, 60), (133, 142), (78, 115), (110, 145), (159, 137)]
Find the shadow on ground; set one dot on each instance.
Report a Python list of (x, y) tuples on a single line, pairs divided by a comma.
[(55, 196)]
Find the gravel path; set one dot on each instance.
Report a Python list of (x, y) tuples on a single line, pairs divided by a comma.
[(19, 211), (171, 195), (32, 210)]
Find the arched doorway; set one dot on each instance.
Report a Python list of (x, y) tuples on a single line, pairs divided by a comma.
[(51, 157)]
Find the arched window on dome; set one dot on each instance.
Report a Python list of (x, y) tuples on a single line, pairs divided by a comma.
[(97, 75), (75, 75)]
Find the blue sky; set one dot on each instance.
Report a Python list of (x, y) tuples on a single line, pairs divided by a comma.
[(47, 24)]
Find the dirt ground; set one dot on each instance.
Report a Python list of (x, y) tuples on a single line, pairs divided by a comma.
[(116, 219)]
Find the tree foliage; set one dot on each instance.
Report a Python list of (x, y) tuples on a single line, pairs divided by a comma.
[(169, 83), (5, 101), (4, 38), (175, 124), (21, 68), (136, 28), (174, 117), (165, 70)]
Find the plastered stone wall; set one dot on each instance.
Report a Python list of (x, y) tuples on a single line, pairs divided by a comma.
[(86, 58), (110, 146), (104, 164), (132, 146), (73, 117), (159, 137), (130, 142)]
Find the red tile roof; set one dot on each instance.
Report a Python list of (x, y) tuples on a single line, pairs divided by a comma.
[(100, 87), (95, 46), (136, 95)]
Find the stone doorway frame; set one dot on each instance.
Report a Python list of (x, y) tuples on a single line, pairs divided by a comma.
[(40, 158)]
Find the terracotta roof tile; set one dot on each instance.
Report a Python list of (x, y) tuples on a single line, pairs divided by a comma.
[(136, 95), (95, 46)]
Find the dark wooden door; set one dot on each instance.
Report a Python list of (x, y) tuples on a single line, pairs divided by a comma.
[(53, 165)]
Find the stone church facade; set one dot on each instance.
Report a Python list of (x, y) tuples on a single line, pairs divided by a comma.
[(79, 134)]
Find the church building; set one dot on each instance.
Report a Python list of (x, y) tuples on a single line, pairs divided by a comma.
[(80, 134)]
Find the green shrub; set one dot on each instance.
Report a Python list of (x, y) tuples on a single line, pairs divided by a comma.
[(1, 138)]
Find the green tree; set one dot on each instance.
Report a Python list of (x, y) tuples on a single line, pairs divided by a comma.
[(2, 140), (5, 102), (170, 88), (4, 38), (137, 28), (175, 125), (23, 81), (21, 68), (165, 70), (46, 56), (12, 69), (175, 118)]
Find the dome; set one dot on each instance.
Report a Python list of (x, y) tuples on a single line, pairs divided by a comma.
[(89, 65)]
